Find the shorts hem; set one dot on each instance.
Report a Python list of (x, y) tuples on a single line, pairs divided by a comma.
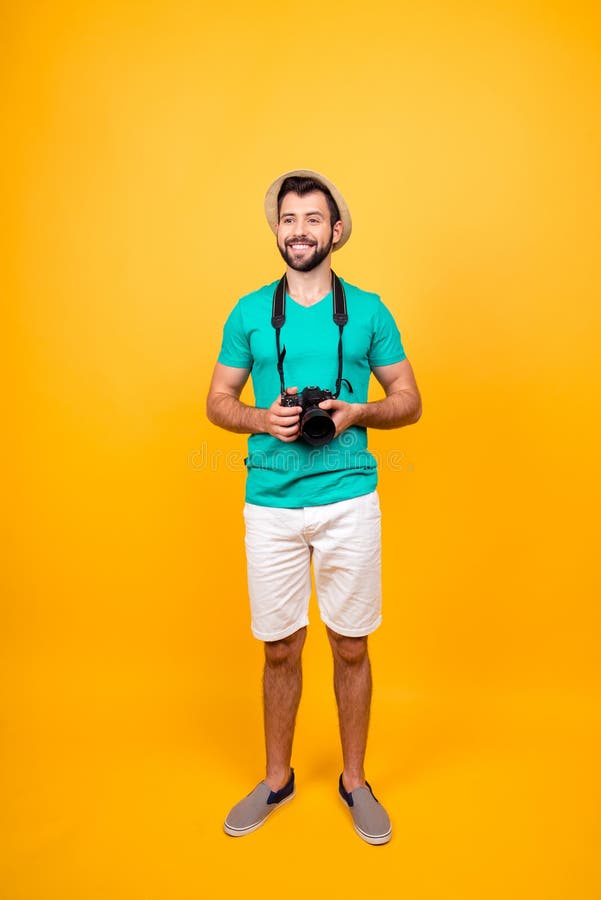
[(352, 632), (279, 635)]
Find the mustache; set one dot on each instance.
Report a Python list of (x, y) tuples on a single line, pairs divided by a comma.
[(300, 240)]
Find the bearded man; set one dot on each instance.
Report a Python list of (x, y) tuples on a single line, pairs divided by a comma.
[(311, 341)]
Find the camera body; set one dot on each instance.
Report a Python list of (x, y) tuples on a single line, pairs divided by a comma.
[(316, 425)]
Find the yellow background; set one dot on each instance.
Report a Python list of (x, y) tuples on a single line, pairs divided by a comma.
[(139, 139)]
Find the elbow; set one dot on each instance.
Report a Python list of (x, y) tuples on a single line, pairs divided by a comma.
[(210, 409), (417, 413)]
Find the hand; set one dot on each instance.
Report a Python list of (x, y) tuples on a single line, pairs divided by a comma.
[(343, 414), (283, 421)]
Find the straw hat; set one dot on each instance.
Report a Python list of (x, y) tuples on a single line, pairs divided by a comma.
[(271, 201)]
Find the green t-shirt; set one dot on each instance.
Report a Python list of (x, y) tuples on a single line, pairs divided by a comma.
[(296, 474)]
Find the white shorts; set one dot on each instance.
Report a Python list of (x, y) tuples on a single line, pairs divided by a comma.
[(342, 539)]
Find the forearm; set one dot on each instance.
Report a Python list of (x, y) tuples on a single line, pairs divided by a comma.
[(397, 409), (230, 413)]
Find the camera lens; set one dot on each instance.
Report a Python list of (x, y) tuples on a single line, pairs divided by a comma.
[(317, 427)]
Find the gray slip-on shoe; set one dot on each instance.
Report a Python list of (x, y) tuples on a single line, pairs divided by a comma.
[(250, 813), (369, 816)]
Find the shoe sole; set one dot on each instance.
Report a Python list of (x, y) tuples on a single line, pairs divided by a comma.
[(374, 839), (239, 832)]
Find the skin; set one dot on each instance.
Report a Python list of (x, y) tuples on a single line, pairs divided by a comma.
[(304, 232)]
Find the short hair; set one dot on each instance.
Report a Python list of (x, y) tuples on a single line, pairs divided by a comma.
[(302, 185)]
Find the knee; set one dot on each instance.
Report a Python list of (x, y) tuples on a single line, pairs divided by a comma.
[(286, 651), (348, 650)]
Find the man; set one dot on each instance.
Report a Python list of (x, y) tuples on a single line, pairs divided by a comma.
[(311, 481)]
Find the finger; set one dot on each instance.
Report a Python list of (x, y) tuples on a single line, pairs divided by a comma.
[(290, 392), (286, 425), (329, 404), (287, 435), (286, 412), (286, 421)]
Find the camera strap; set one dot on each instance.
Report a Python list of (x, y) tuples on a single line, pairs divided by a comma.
[(340, 315)]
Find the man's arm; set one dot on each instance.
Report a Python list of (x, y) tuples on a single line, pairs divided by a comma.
[(401, 406), (224, 408)]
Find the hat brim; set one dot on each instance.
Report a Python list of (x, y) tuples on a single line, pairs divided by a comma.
[(271, 202)]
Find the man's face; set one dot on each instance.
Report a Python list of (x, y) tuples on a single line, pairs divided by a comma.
[(305, 235)]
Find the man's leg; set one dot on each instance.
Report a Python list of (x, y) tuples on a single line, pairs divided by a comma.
[(346, 556), (347, 561), (282, 685), (279, 583), (352, 686)]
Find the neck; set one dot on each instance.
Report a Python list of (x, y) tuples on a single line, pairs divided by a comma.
[(308, 288)]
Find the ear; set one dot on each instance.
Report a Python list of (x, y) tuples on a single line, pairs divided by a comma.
[(337, 231)]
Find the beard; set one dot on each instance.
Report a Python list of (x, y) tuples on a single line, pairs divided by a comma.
[(310, 260)]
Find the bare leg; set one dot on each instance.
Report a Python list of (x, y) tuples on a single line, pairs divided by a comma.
[(282, 685), (352, 686)]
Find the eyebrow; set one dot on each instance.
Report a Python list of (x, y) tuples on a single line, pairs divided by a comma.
[(311, 212)]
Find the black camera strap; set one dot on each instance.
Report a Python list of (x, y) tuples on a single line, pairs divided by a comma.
[(340, 315)]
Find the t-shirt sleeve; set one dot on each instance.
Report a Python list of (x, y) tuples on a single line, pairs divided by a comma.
[(235, 347), (386, 345)]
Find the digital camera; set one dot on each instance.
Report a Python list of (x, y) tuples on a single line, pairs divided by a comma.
[(316, 425)]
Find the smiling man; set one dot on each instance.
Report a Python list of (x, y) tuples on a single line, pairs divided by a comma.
[(311, 342), (308, 250)]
